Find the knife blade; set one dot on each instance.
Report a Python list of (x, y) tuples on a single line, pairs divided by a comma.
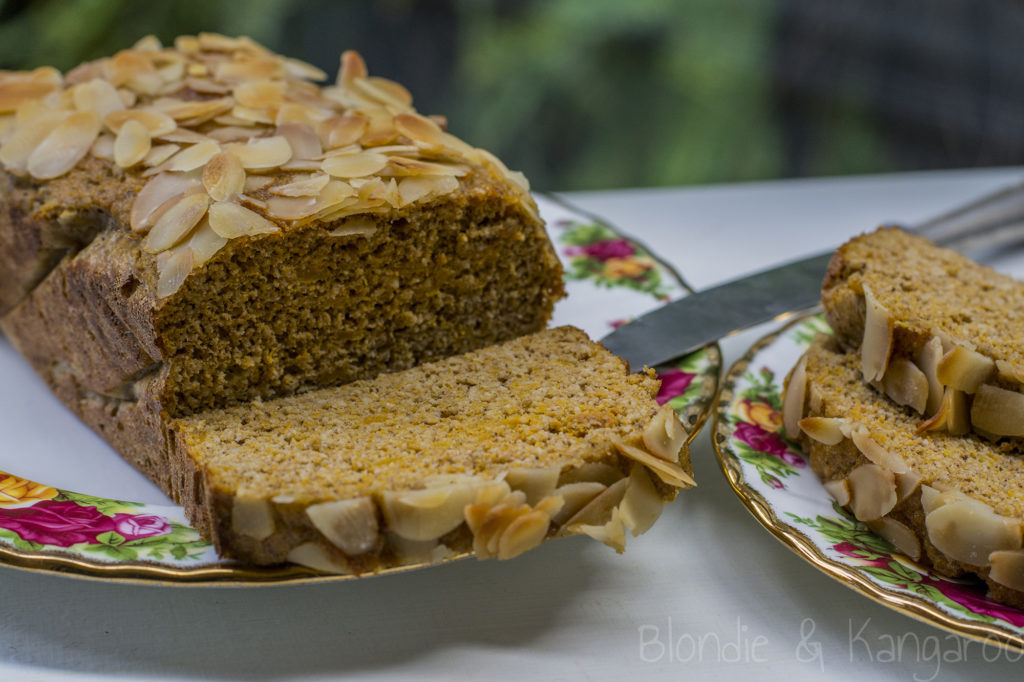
[(705, 316)]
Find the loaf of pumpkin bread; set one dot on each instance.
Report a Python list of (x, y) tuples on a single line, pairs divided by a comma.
[(188, 228), (951, 501), (490, 452)]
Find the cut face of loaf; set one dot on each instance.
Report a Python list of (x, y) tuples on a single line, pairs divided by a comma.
[(490, 452), (934, 331), (190, 227), (952, 501)]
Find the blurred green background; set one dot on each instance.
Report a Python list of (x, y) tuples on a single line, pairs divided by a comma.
[(596, 94)]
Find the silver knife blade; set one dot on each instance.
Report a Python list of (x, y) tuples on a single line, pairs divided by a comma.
[(704, 317)]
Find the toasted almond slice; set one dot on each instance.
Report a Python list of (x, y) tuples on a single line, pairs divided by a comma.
[(249, 68), (600, 508), (231, 133), (401, 166), (668, 472), (969, 531), (309, 186), (364, 226), (97, 96), (158, 191), (64, 146), (230, 220), (952, 417), (205, 243), (899, 536), (223, 176), (251, 516), (259, 94), (300, 69), (132, 144), (299, 112), (411, 190), (793, 399), (291, 208), (877, 454), (256, 116), (998, 411), (525, 532), (262, 153), (827, 430), (839, 490), (426, 514), (103, 147), (906, 384), (14, 93), (878, 333), (907, 484), (598, 472), (27, 136), (611, 533), (193, 110), (193, 157), (312, 555), (928, 359), (420, 129), (873, 490), (354, 165), (665, 435), (535, 483), (352, 67), (157, 156), (1007, 568), (303, 139), (175, 224), (341, 131), (156, 122), (965, 369), (350, 525), (642, 504), (184, 136), (173, 267), (574, 497)]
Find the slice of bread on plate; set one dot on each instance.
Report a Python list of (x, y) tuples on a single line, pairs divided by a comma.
[(953, 501)]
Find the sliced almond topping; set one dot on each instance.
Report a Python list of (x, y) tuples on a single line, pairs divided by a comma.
[(599, 509), (204, 243), (157, 156), (300, 69), (932, 498), (354, 165), (420, 129), (352, 67), (97, 96), (173, 267), (194, 111), (64, 146), (193, 157), (952, 417), (156, 193), (827, 430), (313, 555), (28, 136), (928, 361), (356, 226), (309, 186), (132, 144), (350, 525), (298, 112), (574, 497), (248, 69), (998, 411), (535, 483), (598, 472), (175, 224), (969, 531), (259, 94), (223, 176), (877, 454), (426, 514), (1007, 568), (906, 384), (14, 93), (185, 136), (611, 533), (664, 435), (303, 139), (793, 399), (252, 517), (156, 122), (670, 473), (421, 187), (873, 490), (642, 504), (965, 369), (406, 167), (103, 147), (907, 484), (262, 153), (839, 490), (525, 532), (877, 344), (230, 220), (899, 536), (260, 116)]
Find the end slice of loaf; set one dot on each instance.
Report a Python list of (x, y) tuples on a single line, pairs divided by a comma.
[(492, 452), (952, 501), (935, 331)]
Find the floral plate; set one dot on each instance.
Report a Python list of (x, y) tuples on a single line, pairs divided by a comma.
[(770, 475), (610, 278)]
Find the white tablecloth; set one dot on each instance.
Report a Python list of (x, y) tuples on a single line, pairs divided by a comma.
[(706, 594)]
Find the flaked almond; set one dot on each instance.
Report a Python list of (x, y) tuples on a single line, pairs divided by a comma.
[(251, 516), (156, 122), (231, 220), (64, 146), (302, 138), (301, 69), (250, 68), (873, 490), (223, 176), (575, 496), (878, 334), (965, 369), (205, 243), (262, 153), (299, 112), (536, 484), (184, 136), (97, 96), (906, 384), (420, 129), (928, 359), (14, 93), (953, 415), (156, 193), (969, 531), (349, 525), (793, 398), (598, 472), (193, 157), (173, 267), (426, 514), (899, 536), (877, 454), (341, 131), (827, 430), (354, 165), (362, 225), (194, 111), (839, 490), (611, 533), (27, 136), (411, 190), (103, 147), (260, 94), (352, 67), (132, 144), (998, 411), (309, 186), (669, 472), (175, 223), (642, 504), (525, 532), (230, 133), (1007, 568), (157, 156), (313, 555), (664, 435), (600, 508), (255, 116)]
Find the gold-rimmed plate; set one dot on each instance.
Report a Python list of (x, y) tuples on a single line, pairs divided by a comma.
[(770, 475), (48, 526)]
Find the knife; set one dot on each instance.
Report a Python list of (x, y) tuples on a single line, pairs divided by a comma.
[(704, 317)]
